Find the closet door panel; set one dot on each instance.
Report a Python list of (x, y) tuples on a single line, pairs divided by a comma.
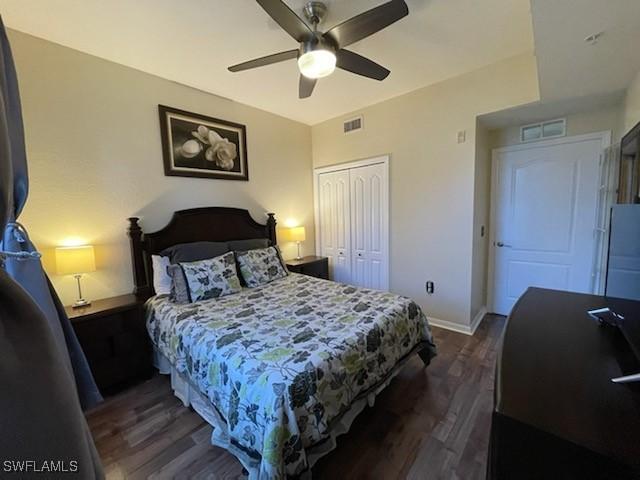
[(335, 223), (326, 232), (376, 275), (342, 221), (369, 226), (375, 184), (360, 274), (377, 234), (342, 272), (327, 224), (360, 216), (358, 212)]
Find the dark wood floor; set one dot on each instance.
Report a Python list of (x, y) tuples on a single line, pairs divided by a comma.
[(429, 423)]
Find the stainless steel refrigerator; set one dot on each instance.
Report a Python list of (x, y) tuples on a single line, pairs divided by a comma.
[(623, 269)]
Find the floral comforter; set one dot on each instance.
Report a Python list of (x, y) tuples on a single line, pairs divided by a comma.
[(281, 361)]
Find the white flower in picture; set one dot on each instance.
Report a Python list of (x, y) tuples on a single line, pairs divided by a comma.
[(226, 153), (213, 137), (190, 148), (221, 150), (202, 134)]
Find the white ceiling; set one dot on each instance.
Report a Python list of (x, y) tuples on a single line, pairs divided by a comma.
[(193, 42), (574, 76), (567, 66)]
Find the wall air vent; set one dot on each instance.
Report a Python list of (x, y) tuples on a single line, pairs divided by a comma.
[(353, 125)]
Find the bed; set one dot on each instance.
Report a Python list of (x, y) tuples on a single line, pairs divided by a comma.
[(282, 369)]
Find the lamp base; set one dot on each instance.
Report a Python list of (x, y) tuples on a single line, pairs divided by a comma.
[(81, 303)]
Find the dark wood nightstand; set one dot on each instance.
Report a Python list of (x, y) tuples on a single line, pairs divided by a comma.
[(114, 338), (313, 266)]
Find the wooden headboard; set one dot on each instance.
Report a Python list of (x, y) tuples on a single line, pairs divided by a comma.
[(211, 224)]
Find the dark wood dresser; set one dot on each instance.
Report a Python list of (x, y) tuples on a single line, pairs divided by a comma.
[(557, 415), (114, 338), (313, 266)]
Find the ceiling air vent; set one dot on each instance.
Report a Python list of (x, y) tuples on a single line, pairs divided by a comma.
[(353, 125)]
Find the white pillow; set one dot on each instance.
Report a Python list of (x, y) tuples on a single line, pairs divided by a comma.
[(161, 278)]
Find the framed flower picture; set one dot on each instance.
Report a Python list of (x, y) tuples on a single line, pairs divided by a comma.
[(195, 145)]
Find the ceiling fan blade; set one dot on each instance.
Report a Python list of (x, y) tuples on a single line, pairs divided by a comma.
[(262, 61), (306, 86), (287, 19), (368, 23), (354, 63)]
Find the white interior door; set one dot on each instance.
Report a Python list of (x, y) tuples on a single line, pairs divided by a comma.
[(369, 226), (545, 203), (335, 223)]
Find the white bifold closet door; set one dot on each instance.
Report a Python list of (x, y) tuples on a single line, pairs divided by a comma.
[(335, 221), (369, 227), (354, 224)]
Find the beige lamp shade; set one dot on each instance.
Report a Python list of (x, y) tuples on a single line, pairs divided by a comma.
[(295, 234), (75, 260)]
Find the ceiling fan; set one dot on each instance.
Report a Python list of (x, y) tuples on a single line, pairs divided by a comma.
[(320, 53)]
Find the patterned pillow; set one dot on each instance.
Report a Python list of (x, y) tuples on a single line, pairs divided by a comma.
[(261, 266), (161, 277), (179, 292), (204, 279)]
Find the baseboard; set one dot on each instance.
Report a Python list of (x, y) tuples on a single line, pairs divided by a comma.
[(457, 327), (477, 320)]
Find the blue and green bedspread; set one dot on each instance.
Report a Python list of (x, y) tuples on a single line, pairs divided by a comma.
[(280, 362)]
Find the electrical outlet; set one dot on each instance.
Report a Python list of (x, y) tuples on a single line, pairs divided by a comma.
[(429, 286)]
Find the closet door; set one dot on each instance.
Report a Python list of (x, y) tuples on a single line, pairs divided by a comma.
[(369, 226), (335, 223)]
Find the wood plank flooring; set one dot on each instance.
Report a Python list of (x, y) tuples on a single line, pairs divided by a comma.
[(429, 423)]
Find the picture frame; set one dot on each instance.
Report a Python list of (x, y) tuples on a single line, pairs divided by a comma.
[(196, 145)]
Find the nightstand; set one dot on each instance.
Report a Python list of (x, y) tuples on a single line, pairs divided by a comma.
[(114, 338), (313, 266)]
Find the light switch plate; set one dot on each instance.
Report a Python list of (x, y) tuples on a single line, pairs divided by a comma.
[(462, 136)]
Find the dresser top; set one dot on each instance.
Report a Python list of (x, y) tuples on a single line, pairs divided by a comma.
[(555, 368)]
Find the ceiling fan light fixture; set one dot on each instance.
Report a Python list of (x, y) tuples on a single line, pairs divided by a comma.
[(317, 63), (319, 53)]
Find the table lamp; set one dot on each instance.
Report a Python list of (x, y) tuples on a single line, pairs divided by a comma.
[(295, 234), (76, 261)]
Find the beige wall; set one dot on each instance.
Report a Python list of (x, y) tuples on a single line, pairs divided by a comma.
[(93, 144), (577, 124), (431, 175), (632, 105), (481, 207)]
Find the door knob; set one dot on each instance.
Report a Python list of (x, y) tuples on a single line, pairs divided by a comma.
[(500, 244)]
